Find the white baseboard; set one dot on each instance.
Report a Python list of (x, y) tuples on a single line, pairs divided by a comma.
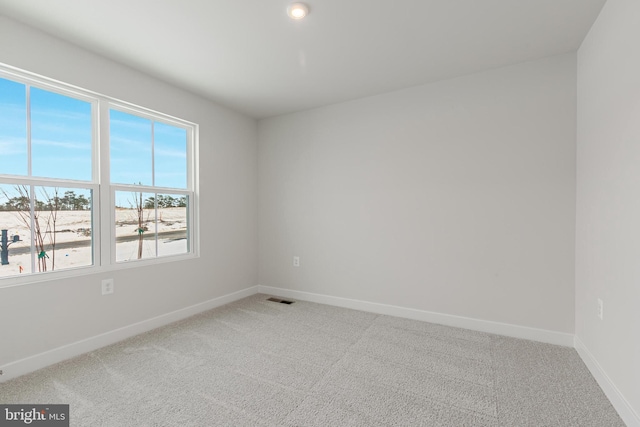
[(626, 412), (524, 332), (50, 357)]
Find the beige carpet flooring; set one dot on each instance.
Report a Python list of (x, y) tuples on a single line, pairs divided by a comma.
[(261, 363)]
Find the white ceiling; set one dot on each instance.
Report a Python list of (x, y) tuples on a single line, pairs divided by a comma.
[(248, 55)]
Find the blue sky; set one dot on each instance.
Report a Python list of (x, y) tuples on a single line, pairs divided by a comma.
[(61, 141), (60, 133), (131, 160)]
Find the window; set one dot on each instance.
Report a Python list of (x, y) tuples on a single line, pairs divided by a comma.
[(150, 182), (75, 195), (46, 193)]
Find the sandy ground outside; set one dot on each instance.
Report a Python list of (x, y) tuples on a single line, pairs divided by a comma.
[(73, 238)]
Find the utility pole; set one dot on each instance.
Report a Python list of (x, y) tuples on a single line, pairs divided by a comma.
[(4, 246)]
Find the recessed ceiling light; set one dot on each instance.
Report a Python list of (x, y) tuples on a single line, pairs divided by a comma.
[(297, 10)]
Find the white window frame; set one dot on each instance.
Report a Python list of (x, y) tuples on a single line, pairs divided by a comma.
[(189, 192), (103, 192)]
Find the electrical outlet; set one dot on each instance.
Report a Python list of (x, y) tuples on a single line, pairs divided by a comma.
[(600, 309), (296, 261), (107, 286)]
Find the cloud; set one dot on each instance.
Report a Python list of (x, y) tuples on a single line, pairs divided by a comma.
[(39, 113), (15, 109), (13, 118), (130, 122), (167, 152), (60, 144), (65, 130), (119, 143), (12, 146), (165, 130)]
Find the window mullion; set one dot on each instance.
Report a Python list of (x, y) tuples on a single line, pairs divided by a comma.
[(28, 130), (155, 211), (106, 211), (32, 221), (153, 157)]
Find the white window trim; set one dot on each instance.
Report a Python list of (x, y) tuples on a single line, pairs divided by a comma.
[(103, 191)]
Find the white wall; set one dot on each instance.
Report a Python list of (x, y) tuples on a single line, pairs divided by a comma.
[(608, 196), (456, 197), (38, 317)]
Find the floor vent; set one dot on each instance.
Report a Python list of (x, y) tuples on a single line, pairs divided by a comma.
[(281, 301)]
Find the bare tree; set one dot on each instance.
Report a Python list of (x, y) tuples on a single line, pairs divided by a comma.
[(43, 230), (142, 222), (141, 230), (22, 206), (53, 205)]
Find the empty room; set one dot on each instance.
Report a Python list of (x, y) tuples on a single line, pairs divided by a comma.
[(358, 213)]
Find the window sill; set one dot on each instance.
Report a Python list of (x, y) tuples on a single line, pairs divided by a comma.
[(52, 276)]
